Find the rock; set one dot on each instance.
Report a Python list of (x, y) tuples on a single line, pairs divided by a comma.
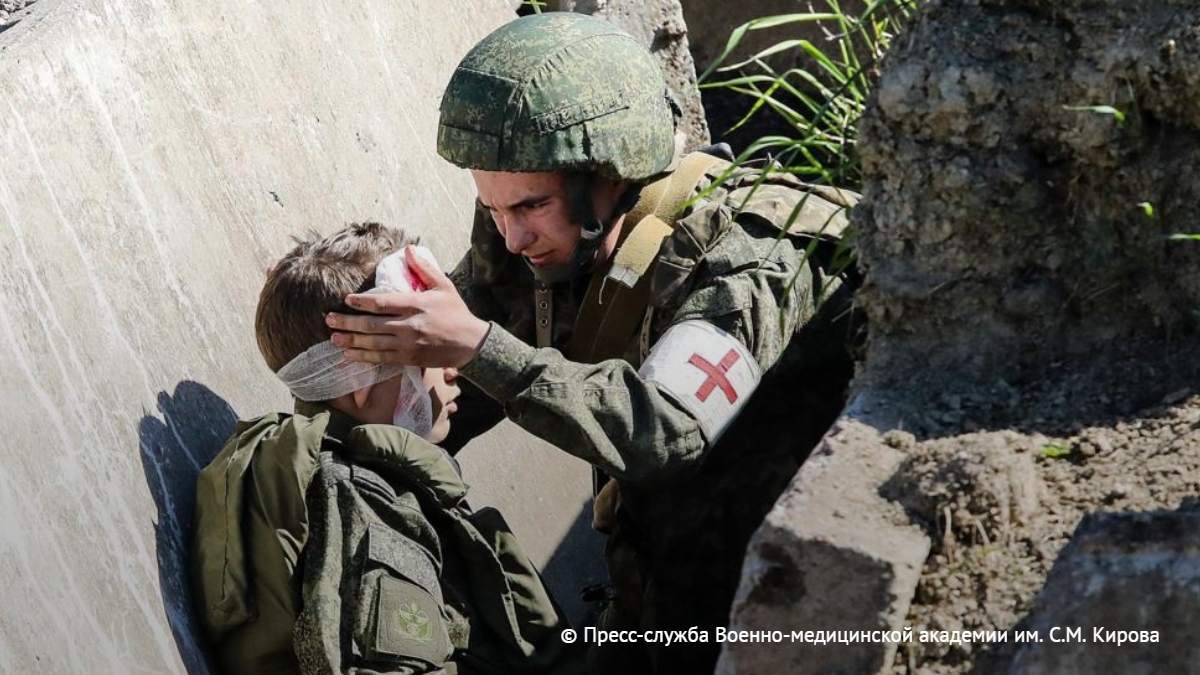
[(899, 439), (981, 477), (1120, 572), (974, 276), (832, 555)]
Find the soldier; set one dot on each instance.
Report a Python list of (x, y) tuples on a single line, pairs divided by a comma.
[(655, 316)]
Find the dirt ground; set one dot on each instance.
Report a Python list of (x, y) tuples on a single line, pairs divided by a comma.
[(1026, 162), (1000, 498)]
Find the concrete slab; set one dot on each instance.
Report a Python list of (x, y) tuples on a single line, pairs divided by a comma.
[(832, 555), (156, 157), (1123, 579)]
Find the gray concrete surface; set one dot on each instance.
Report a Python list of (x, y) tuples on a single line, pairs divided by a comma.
[(155, 157), (832, 555), (1122, 577)]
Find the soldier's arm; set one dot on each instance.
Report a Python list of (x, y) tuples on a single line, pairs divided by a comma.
[(639, 427)]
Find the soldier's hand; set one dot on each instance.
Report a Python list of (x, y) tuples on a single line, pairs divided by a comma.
[(432, 328)]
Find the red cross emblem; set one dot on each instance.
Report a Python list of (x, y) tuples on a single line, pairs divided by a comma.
[(716, 376)]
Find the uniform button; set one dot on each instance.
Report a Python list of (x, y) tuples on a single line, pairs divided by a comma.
[(544, 322), (543, 304)]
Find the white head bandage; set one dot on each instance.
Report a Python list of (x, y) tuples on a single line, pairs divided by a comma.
[(322, 373)]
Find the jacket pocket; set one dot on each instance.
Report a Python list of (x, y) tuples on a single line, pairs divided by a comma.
[(399, 617)]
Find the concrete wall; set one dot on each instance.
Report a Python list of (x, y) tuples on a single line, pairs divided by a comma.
[(155, 156)]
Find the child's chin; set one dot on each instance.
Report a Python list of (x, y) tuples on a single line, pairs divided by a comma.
[(439, 432)]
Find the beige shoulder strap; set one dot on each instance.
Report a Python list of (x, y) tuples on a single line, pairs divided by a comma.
[(667, 195), (619, 293)]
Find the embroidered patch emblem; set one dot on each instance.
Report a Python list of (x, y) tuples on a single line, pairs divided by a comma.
[(414, 623), (409, 622), (704, 369)]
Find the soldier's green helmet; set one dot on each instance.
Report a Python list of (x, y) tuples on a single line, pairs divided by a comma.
[(558, 91)]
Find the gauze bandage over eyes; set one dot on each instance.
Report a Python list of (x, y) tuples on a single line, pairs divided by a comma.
[(322, 373)]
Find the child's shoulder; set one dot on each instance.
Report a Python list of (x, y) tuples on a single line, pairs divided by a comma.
[(271, 438), (401, 456)]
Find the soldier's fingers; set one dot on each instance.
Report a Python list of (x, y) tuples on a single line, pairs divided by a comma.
[(395, 304), (378, 343), (362, 323), (370, 356), (428, 271)]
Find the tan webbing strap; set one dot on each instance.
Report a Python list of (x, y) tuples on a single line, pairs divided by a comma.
[(543, 312), (665, 196), (612, 310), (619, 293), (634, 257)]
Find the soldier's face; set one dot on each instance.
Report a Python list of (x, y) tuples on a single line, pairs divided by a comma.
[(533, 213)]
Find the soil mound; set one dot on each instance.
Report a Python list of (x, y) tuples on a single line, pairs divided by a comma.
[(1027, 161), (1033, 322), (999, 505)]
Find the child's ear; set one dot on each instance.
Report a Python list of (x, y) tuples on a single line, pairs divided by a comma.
[(362, 396)]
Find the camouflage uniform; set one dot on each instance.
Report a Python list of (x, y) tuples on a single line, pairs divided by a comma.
[(688, 509), (328, 547), (569, 93)]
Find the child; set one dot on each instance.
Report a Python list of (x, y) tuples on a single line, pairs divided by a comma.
[(338, 539)]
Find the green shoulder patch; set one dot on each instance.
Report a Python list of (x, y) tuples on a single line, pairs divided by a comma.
[(408, 623)]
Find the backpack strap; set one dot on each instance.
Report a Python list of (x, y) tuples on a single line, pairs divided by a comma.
[(666, 196), (619, 292)]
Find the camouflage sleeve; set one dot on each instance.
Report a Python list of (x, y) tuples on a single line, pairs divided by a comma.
[(603, 413), (750, 284)]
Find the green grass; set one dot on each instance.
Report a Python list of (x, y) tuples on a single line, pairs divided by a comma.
[(1055, 451), (818, 103), (1117, 114)]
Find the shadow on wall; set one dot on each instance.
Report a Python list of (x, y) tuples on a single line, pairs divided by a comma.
[(195, 423), (190, 428)]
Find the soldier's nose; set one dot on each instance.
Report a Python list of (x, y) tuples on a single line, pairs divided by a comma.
[(517, 238)]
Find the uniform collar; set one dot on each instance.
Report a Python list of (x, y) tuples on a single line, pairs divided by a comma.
[(340, 424)]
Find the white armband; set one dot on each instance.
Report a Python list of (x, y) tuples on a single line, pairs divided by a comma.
[(704, 369)]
